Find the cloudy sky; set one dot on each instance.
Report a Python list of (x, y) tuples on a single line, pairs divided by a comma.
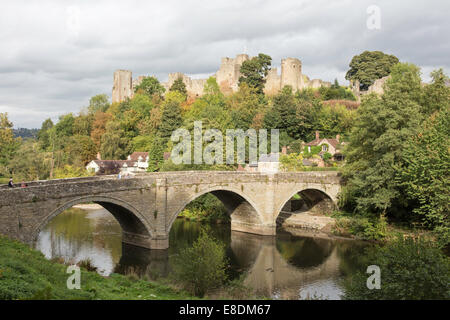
[(55, 55)]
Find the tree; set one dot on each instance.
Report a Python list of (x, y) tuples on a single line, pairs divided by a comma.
[(425, 173), (150, 86), (8, 144), (178, 85), (170, 119), (28, 163), (80, 150), (437, 94), (377, 143), (254, 72), (410, 270), (201, 267), (370, 66), (99, 102), (283, 114), (114, 144), (99, 126), (43, 134)]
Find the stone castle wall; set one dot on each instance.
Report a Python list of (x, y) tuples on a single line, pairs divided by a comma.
[(227, 78)]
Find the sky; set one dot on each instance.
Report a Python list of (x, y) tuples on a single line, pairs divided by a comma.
[(55, 55)]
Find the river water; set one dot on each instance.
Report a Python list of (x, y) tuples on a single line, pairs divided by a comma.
[(281, 267)]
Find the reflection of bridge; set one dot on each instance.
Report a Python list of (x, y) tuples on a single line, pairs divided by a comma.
[(147, 205), (269, 271)]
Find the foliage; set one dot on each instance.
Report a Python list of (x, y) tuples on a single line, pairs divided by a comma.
[(202, 266), (8, 144), (254, 72), (170, 120), (179, 86), (425, 172), (363, 227), (69, 171), (291, 162), (114, 144), (377, 142), (28, 163), (336, 92), (206, 208), (410, 270), (150, 86), (370, 66), (98, 103)]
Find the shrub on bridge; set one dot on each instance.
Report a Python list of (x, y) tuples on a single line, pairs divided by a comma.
[(201, 267)]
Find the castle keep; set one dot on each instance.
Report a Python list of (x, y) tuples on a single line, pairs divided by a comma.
[(227, 77)]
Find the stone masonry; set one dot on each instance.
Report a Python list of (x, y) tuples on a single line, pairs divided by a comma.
[(227, 78), (147, 205)]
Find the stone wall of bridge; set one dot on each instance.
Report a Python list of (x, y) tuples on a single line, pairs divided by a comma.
[(146, 206)]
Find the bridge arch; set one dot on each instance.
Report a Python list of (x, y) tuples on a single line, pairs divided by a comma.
[(313, 196), (235, 201), (135, 228)]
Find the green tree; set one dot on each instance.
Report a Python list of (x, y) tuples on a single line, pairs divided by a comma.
[(254, 72), (437, 94), (28, 163), (8, 144), (170, 119), (425, 173), (201, 267), (370, 66), (150, 86), (410, 270), (284, 114), (114, 144), (377, 143), (178, 85), (99, 102), (43, 134), (80, 150)]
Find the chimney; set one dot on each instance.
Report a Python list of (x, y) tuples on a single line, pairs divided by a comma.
[(99, 157), (317, 135), (338, 137), (284, 150)]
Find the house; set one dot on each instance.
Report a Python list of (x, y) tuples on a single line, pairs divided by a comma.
[(331, 146), (269, 163), (136, 162)]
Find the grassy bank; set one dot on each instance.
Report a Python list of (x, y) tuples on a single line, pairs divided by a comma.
[(26, 274), (356, 226)]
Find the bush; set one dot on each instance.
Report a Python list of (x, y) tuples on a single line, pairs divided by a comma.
[(362, 227), (201, 267), (410, 269)]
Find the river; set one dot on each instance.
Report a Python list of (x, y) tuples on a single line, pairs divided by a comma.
[(281, 267)]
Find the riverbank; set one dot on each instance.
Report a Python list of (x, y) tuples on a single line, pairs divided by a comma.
[(26, 274)]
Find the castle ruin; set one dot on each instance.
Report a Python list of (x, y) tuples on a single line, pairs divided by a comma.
[(227, 78)]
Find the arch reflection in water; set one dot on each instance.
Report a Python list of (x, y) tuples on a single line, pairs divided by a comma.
[(284, 267)]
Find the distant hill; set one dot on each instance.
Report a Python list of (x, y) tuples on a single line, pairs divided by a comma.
[(25, 133)]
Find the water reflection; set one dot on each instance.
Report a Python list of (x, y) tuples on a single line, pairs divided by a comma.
[(282, 267)]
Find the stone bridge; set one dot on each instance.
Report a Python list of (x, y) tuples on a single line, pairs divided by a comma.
[(147, 205)]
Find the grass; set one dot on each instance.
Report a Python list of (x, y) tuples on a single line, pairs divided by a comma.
[(26, 274)]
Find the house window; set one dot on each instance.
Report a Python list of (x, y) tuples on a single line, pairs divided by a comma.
[(324, 148)]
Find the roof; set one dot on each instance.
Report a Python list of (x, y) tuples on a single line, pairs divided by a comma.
[(135, 156), (272, 157), (113, 164), (316, 142)]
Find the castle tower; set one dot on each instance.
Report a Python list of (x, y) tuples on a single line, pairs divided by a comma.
[(291, 74), (228, 75), (123, 85)]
